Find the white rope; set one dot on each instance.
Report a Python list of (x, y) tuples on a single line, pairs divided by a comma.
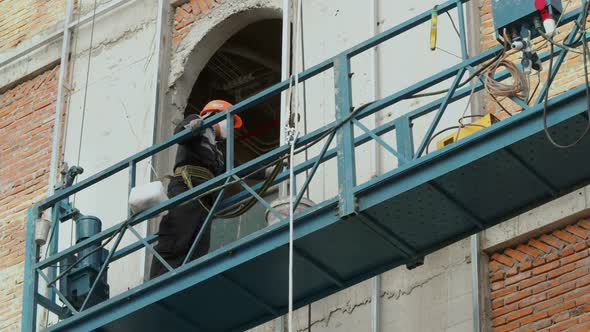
[(292, 193), (292, 135)]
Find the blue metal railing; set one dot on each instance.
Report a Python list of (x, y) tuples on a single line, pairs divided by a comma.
[(342, 128)]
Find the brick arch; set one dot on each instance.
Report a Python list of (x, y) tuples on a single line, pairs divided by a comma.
[(201, 31)]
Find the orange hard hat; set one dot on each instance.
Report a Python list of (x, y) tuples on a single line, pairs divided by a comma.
[(220, 106)]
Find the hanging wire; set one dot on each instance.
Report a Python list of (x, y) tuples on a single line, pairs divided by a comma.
[(550, 78), (81, 139)]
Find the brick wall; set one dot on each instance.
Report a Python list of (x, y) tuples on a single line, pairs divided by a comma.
[(23, 19), (571, 73), (26, 130), (188, 13), (543, 284)]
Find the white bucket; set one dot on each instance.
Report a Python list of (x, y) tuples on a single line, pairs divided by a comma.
[(281, 205), (42, 231)]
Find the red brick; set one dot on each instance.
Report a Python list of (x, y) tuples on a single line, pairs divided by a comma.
[(547, 304), (503, 259), (518, 314), (497, 285), (563, 326), (583, 281), (539, 261), (580, 246), (519, 256), (567, 251), (525, 266), (25, 141), (552, 241), (584, 224), (573, 275), (517, 278), (530, 300), (561, 317), (517, 296), (545, 268), (565, 236), (582, 263), (503, 292), (497, 277), (532, 281), (585, 327), (497, 303), (579, 232), (529, 250), (540, 245), (533, 318), (494, 266), (562, 308), (508, 327), (504, 310), (560, 271), (575, 257), (498, 321), (560, 289), (512, 271), (551, 257)]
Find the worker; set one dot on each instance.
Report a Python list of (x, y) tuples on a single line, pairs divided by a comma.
[(198, 159)]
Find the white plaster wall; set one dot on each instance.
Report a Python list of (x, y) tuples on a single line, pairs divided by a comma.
[(117, 120), (331, 27)]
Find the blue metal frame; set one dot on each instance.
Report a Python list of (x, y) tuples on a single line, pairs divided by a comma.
[(352, 201)]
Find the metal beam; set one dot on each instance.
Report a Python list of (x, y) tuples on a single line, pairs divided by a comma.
[(133, 247), (475, 219), (326, 272), (50, 305), (529, 169), (30, 282), (345, 136), (186, 323), (255, 298), (387, 235)]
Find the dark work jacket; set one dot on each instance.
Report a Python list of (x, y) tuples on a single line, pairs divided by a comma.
[(200, 149)]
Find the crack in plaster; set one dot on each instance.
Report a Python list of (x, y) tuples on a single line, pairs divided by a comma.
[(126, 34), (395, 295)]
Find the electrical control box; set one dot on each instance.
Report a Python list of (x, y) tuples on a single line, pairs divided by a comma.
[(514, 14), (467, 130)]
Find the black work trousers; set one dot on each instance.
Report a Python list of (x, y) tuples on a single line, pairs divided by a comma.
[(179, 228)]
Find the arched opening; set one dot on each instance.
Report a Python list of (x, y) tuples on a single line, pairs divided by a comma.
[(247, 63)]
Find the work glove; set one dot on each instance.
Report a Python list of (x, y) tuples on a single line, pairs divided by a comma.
[(194, 124), (223, 129), (268, 171)]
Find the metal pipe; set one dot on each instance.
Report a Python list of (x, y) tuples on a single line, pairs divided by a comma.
[(285, 68), (475, 243), (473, 48), (59, 106), (56, 35), (63, 67)]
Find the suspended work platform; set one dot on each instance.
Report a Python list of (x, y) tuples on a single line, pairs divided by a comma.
[(428, 202)]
